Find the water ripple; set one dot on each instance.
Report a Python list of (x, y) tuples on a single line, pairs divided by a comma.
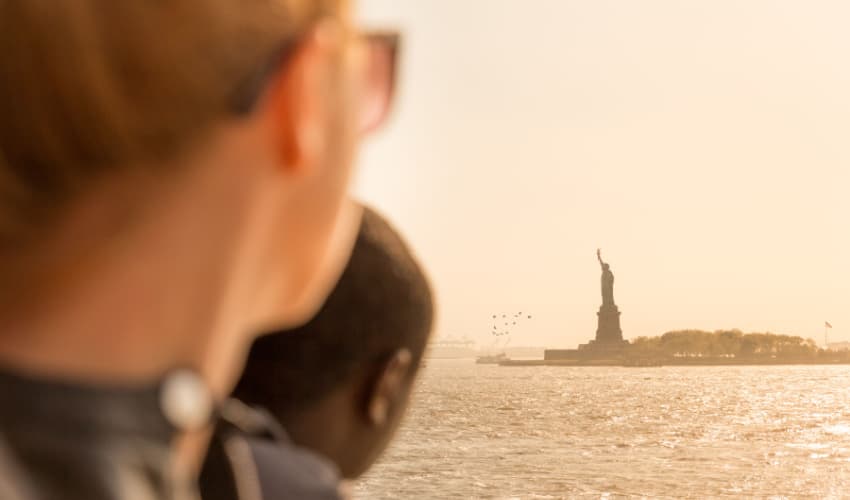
[(481, 431)]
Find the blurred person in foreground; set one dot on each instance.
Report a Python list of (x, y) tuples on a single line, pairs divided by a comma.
[(173, 178), (338, 386)]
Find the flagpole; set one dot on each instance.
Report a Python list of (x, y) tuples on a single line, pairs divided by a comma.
[(826, 327)]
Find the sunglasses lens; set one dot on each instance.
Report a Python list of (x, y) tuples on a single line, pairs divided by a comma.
[(378, 81)]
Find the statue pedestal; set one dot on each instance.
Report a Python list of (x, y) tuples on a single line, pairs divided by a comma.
[(609, 343), (608, 329)]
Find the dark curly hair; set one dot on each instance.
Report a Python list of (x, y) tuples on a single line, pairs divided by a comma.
[(382, 302)]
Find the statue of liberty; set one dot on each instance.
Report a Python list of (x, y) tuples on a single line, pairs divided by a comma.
[(607, 281)]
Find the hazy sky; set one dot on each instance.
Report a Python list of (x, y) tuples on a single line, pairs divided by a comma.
[(704, 145)]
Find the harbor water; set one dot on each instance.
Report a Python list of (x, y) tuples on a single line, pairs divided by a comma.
[(484, 431)]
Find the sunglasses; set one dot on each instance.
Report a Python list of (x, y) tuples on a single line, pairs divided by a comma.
[(381, 49)]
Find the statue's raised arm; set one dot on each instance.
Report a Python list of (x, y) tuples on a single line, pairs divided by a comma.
[(599, 256)]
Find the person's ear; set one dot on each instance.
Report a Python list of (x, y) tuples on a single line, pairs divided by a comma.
[(389, 387), (297, 98)]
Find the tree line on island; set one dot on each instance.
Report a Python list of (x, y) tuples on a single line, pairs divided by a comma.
[(731, 344)]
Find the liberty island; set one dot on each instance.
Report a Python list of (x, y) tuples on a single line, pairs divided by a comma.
[(682, 347)]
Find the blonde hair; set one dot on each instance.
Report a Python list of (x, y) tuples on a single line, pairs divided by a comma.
[(91, 87)]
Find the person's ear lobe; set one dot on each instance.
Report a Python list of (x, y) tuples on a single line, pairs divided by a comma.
[(389, 387)]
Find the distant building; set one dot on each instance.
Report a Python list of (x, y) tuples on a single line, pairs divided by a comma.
[(451, 348)]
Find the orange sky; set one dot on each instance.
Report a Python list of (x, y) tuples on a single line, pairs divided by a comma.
[(705, 146)]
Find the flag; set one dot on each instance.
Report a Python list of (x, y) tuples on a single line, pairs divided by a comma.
[(826, 324)]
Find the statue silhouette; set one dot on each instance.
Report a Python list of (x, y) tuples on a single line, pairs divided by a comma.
[(607, 281)]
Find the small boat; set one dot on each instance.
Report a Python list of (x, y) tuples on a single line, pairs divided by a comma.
[(491, 359)]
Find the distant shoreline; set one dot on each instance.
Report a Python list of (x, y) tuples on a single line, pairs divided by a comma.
[(639, 363), (693, 348)]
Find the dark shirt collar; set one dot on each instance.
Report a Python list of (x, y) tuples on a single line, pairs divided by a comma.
[(101, 411), (94, 442)]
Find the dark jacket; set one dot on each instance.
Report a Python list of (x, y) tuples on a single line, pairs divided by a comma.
[(251, 458), (73, 442)]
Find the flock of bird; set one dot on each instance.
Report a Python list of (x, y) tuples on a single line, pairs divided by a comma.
[(510, 321)]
